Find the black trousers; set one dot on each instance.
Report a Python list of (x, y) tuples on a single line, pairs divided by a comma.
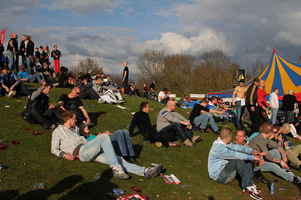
[(255, 119), (169, 133), (45, 119)]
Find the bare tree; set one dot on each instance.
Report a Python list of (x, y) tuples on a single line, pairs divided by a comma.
[(150, 66), (86, 65), (257, 67), (213, 73), (177, 73)]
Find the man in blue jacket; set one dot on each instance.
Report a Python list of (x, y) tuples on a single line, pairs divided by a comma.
[(226, 159)]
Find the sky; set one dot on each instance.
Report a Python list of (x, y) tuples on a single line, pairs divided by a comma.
[(112, 31)]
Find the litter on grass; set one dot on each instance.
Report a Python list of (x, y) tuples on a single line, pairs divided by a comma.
[(170, 179), (39, 186), (121, 107), (97, 176), (15, 142), (134, 196), (136, 189)]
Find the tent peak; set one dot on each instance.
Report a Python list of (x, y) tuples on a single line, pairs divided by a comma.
[(274, 51)]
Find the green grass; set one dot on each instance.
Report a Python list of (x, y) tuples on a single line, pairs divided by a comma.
[(31, 162)]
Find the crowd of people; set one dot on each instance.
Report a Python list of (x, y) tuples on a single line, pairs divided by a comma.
[(266, 149)]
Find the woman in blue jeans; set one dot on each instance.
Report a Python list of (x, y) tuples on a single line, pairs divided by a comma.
[(120, 139)]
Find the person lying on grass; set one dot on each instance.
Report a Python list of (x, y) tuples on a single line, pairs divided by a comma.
[(121, 141), (68, 144)]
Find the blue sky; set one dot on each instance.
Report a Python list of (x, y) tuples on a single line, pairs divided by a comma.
[(113, 31)]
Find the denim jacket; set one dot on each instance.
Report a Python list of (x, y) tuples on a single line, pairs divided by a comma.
[(220, 154)]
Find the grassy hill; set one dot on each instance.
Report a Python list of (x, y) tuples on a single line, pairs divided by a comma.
[(31, 162)]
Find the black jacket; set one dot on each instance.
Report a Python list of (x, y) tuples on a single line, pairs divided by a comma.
[(251, 99), (38, 100)]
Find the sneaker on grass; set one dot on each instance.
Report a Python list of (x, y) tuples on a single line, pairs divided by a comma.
[(11, 94), (196, 139), (188, 143), (252, 192), (152, 172), (55, 85), (119, 173)]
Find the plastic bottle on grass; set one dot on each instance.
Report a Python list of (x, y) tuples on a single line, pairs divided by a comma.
[(272, 187)]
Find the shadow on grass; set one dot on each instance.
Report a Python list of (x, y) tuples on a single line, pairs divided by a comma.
[(9, 194), (94, 190), (59, 188), (138, 149), (94, 116)]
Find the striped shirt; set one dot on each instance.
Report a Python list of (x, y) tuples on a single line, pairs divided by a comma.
[(66, 141)]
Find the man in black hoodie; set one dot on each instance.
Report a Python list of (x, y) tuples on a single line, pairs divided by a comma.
[(38, 109), (252, 106)]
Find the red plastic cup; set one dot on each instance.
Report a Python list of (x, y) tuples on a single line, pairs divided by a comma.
[(2, 146), (136, 189)]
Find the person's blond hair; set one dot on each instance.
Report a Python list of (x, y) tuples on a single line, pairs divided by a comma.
[(225, 133)]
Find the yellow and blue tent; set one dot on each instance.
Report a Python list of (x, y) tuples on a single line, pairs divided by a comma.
[(279, 73)]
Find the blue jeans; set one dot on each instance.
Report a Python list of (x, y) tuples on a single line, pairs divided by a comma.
[(28, 63), (274, 115), (289, 117), (202, 121), (121, 140), (101, 150), (10, 56), (243, 168), (275, 168), (38, 77), (240, 110)]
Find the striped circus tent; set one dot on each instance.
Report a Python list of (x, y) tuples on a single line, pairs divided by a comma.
[(279, 73)]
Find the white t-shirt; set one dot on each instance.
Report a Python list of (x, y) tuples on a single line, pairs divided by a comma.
[(161, 95)]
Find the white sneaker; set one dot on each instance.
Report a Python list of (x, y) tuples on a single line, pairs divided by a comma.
[(100, 100), (11, 94), (119, 173)]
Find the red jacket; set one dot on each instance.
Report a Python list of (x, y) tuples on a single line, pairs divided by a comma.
[(261, 94)]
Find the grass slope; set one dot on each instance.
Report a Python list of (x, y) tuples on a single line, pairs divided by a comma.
[(31, 162)]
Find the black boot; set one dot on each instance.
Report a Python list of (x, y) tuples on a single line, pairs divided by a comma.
[(259, 176), (133, 160)]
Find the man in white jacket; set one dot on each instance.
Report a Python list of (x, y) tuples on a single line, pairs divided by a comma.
[(274, 103)]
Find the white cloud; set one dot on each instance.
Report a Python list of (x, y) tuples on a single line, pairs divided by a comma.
[(85, 7), (207, 40)]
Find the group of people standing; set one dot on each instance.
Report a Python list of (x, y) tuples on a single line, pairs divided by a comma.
[(254, 99), (28, 53)]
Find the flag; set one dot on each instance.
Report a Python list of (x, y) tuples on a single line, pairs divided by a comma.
[(2, 36)]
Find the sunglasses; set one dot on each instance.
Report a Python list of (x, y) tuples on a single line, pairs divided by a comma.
[(77, 92)]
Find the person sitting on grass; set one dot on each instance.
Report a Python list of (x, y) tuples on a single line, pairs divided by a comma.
[(48, 74), (105, 95), (121, 141), (73, 102), (241, 139), (11, 85), (23, 76), (63, 77), (171, 124), (38, 109), (146, 129), (226, 159), (68, 144), (200, 121), (292, 152), (275, 157), (213, 105), (163, 96)]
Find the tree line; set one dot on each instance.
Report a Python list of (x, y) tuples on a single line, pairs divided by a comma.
[(186, 74)]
